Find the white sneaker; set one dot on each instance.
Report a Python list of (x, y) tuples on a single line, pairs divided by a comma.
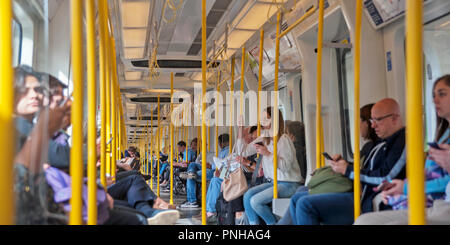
[(189, 205), (168, 217)]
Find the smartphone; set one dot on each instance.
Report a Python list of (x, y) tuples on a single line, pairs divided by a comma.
[(434, 145), (384, 185), (260, 143), (327, 156)]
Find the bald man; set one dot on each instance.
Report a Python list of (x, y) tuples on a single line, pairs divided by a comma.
[(386, 161)]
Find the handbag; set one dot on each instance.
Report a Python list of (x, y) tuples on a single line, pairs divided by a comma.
[(325, 180), (234, 185)]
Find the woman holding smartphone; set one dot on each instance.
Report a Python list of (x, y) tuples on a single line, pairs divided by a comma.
[(258, 198)]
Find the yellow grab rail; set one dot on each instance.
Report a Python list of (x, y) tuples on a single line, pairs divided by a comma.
[(217, 117), (414, 119), (159, 147), (6, 115), (319, 135), (151, 149), (275, 116), (76, 152), (103, 70), (261, 52), (233, 61), (203, 112), (171, 140), (92, 112), (114, 93), (356, 130), (241, 111)]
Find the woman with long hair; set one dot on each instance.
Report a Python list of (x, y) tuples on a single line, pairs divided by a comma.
[(258, 198)]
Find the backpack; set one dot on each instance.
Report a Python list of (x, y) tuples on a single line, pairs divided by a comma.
[(325, 180), (226, 211)]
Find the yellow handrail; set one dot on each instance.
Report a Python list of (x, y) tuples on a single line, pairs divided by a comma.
[(6, 115), (241, 111), (319, 136), (114, 94), (233, 60), (414, 123), (357, 58), (217, 116), (297, 22), (76, 152), (92, 112), (103, 70), (203, 112), (275, 116), (261, 52), (171, 140), (159, 147), (108, 98), (151, 149)]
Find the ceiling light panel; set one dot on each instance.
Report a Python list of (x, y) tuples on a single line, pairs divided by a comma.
[(134, 53), (135, 14), (134, 37), (133, 75), (237, 38), (257, 16)]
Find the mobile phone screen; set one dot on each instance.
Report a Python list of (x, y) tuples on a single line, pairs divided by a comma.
[(327, 156), (434, 145)]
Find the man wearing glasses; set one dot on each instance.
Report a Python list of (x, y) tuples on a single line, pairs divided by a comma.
[(385, 162)]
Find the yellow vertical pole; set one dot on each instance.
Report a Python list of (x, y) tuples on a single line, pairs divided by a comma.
[(108, 101), (76, 152), (203, 112), (233, 62), (414, 123), (241, 111), (319, 136), (187, 135), (103, 71), (217, 115), (171, 140), (261, 52), (114, 94), (357, 58), (275, 110), (146, 151), (152, 145), (159, 147), (6, 116), (92, 106)]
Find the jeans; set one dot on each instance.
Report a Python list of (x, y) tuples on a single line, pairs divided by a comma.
[(162, 168), (328, 208), (191, 185), (213, 194), (287, 218), (258, 198)]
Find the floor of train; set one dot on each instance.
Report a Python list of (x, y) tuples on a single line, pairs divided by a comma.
[(186, 214)]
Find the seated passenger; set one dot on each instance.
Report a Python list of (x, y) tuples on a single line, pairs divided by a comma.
[(370, 140), (185, 160), (194, 175), (386, 161), (436, 177), (258, 198)]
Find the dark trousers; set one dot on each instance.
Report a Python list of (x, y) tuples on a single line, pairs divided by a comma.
[(121, 215), (123, 174), (132, 189)]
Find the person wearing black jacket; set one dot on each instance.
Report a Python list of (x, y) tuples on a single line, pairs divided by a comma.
[(386, 161)]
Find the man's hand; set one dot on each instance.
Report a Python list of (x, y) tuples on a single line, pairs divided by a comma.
[(109, 181), (110, 201), (395, 189), (441, 157), (217, 173), (339, 166)]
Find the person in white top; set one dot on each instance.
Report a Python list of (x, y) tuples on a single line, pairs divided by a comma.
[(258, 198)]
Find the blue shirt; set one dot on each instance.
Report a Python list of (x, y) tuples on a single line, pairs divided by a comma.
[(190, 156)]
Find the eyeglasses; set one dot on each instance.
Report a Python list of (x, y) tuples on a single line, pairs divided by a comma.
[(26, 90), (378, 119)]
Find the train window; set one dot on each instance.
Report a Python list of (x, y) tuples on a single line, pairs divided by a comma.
[(437, 64), (17, 42), (27, 34), (346, 99)]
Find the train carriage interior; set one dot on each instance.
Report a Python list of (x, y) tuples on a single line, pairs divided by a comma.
[(129, 117)]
